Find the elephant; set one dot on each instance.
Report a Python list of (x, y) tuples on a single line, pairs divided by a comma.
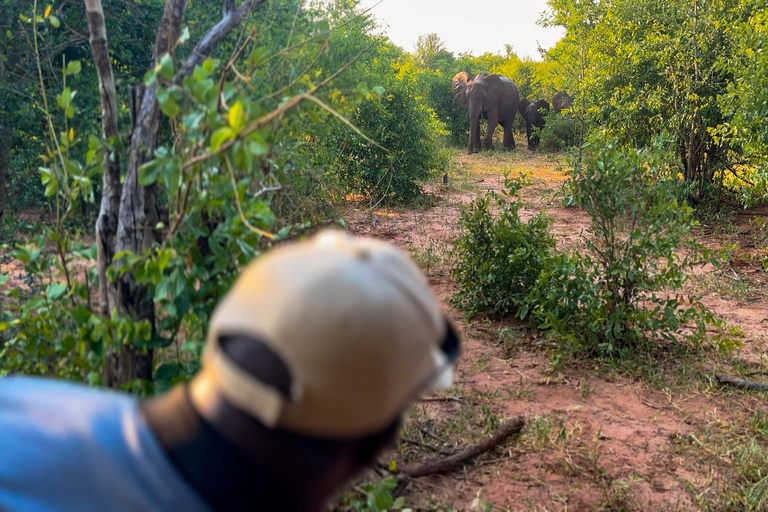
[(560, 102), (534, 117), (490, 97)]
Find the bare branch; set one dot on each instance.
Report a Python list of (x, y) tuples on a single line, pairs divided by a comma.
[(213, 37), (511, 427)]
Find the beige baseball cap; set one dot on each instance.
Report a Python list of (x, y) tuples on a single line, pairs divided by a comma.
[(354, 321)]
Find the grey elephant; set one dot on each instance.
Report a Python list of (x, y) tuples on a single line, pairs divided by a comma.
[(534, 118), (561, 102), (490, 97)]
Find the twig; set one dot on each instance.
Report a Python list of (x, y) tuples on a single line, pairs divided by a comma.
[(441, 399), (415, 442), (740, 383), (507, 429), (429, 434)]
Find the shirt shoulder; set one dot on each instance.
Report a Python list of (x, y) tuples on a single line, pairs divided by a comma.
[(69, 447)]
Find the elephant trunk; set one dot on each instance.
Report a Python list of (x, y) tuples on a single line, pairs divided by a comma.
[(475, 112)]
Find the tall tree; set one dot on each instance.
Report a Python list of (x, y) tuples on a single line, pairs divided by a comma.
[(431, 52), (132, 222)]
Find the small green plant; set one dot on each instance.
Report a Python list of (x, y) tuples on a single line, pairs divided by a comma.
[(498, 257), (375, 497), (627, 287)]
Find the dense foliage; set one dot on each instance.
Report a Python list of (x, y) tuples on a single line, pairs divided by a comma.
[(498, 256), (628, 286), (236, 169), (691, 71), (404, 129)]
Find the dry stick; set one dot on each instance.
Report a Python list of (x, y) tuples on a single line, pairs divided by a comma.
[(507, 429), (426, 446), (441, 399), (740, 383)]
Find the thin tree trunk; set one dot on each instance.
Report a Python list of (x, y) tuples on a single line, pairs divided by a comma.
[(138, 211), (4, 162), (138, 215), (106, 223)]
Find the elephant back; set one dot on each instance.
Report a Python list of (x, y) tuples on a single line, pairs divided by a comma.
[(459, 83), (509, 100), (541, 104), (560, 102)]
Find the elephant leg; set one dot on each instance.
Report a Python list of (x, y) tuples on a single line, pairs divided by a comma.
[(509, 136), (493, 120), (528, 133), (474, 136)]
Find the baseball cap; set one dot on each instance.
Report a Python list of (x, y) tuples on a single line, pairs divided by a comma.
[(356, 325)]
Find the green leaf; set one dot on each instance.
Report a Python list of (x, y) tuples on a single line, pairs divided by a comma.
[(221, 136), (258, 56), (73, 67), (184, 37), (55, 291), (149, 172), (235, 117), (167, 103), (165, 68), (81, 314), (54, 21)]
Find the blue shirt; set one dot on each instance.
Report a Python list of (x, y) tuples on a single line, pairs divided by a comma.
[(67, 447)]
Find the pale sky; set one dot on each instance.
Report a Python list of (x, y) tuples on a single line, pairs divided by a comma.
[(477, 26)]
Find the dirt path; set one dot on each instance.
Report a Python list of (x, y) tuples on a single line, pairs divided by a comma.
[(654, 437)]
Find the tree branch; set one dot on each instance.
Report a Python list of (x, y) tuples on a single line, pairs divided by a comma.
[(507, 429), (740, 383), (271, 116), (213, 37)]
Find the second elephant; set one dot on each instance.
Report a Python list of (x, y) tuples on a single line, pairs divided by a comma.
[(534, 118), (490, 97), (561, 102)]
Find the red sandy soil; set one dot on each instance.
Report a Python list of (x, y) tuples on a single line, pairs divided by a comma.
[(595, 440)]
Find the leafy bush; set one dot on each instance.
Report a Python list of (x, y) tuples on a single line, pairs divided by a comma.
[(627, 288), (561, 132), (440, 98), (405, 153), (499, 258)]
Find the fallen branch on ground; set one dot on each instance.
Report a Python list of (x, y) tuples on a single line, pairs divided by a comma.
[(441, 399), (415, 442), (740, 383), (507, 429)]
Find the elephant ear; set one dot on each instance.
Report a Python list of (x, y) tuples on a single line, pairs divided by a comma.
[(459, 83), (522, 107)]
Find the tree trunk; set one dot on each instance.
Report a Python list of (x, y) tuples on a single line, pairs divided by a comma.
[(5, 159), (106, 223), (128, 218), (138, 215)]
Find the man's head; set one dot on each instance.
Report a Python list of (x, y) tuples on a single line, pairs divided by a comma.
[(317, 351)]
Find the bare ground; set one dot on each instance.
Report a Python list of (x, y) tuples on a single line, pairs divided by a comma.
[(653, 435)]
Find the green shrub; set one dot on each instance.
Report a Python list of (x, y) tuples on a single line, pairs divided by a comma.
[(440, 98), (627, 287), (561, 132), (499, 257), (404, 128)]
